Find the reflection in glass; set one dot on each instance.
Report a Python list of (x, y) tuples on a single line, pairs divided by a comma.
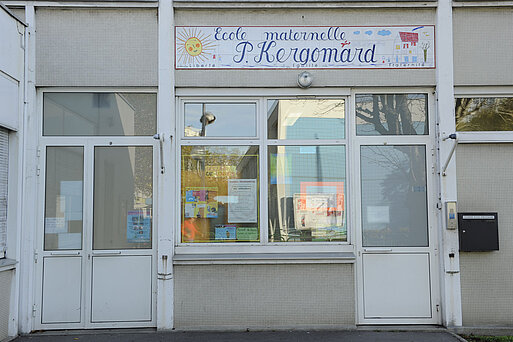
[(305, 119), (391, 114), (307, 193), (63, 197), (220, 120), (123, 197), (220, 194), (484, 114), (100, 114), (394, 203)]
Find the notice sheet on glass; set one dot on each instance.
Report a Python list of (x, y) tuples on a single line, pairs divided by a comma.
[(138, 226), (243, 208), (201, 202)]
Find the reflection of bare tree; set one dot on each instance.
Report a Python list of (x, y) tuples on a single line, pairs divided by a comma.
[(399, 173), (484, 114), (393, 114)]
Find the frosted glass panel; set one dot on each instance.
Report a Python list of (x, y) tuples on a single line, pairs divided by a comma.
[(63, 198), (394, 203), (123, 197)]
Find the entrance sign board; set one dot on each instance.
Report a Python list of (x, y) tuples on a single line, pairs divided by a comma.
[(293, 47)]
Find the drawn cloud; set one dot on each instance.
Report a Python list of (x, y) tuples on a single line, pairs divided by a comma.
[(356, 32), (384, 33), (368, 32)]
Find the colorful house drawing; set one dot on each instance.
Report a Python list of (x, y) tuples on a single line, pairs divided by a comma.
[(406, 47)]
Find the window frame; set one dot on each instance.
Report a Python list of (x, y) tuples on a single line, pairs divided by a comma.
[(91, 90), (482, 136), (264, 245), (379, 140)]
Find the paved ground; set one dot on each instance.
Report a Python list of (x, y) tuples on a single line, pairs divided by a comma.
[(252, 336)]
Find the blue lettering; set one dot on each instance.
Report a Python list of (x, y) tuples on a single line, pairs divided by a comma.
[(218, 31), (303, 56), (345, 56), (264, 49), (237, 35), (279, 55), (242, 47), (370, 58), (314, 57)]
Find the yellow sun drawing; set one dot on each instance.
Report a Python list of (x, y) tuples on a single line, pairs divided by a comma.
[(193, 45)]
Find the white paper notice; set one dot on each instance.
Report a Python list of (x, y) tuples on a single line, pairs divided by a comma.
[(244, 209), (55, 225), (378, 214), (70, 240)]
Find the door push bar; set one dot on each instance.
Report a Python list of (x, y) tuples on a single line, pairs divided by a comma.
[(160, 138), (453, 136)]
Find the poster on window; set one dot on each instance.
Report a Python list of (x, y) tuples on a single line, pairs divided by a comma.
[(201, 202), (225, 232), (138, 226), (243, 207), (312, 47), (318, 211)]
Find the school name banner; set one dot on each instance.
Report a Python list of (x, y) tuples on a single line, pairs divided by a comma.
[(329, 47)]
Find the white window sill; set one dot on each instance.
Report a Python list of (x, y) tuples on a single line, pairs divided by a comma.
[(7, 264), (264, 258)]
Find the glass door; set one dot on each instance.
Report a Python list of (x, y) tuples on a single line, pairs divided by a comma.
[(395, 239), (121, 257), (395, 235), (98, 259), (96, 251)]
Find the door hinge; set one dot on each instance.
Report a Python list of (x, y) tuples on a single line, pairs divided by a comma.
[(38, 155), (34, 310), (36, 255), (437, 307)]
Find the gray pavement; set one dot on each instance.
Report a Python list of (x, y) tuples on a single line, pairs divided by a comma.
[(438, 335)]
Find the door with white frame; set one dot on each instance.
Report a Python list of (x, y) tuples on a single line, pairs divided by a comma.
[(395, 230), (96, 237)]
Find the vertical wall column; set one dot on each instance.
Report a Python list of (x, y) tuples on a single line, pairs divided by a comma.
[(29, 178), (167, 169), (449, 257)]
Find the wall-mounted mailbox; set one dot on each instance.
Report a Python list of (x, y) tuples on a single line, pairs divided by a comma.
[(478, 232)]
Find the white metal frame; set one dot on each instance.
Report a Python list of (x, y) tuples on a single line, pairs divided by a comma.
[(89, 143), (431, 195), (258, 96), (484, 136)]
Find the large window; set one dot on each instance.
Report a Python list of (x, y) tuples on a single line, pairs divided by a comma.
[(306, 170), (274, 171), (224, 147)]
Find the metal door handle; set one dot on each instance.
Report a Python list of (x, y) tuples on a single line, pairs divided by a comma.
[(65, 253), (107, 253), (377, 250)]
